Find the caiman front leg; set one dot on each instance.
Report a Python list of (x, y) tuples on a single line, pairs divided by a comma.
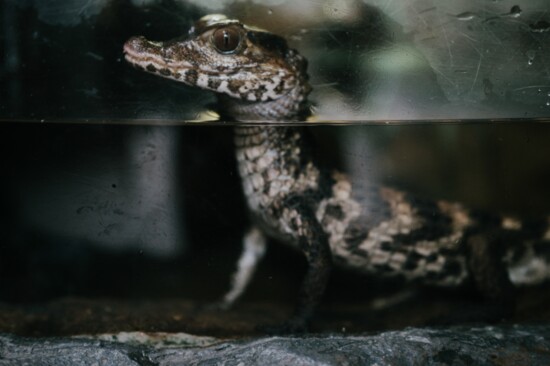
[(313, 242), (254, 245)]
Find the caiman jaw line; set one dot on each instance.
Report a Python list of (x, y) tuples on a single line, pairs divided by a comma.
[(152, 62)]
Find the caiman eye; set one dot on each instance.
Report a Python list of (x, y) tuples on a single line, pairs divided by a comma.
[(226, 40)]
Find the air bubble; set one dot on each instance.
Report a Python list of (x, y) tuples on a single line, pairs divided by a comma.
[(530, 56), (269, 12), (465, 16)]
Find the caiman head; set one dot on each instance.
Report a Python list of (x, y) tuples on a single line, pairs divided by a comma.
[(254, 72)]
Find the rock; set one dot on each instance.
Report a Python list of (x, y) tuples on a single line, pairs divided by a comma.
[(506, 344)]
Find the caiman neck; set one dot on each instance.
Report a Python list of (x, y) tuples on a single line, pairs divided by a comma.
[(292, 106), (273, 162), (261, 147), (273, 159)]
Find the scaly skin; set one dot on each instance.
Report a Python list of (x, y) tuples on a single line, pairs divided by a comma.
[(330, 218)]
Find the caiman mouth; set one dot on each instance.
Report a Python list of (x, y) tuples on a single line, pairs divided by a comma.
[(148, 56)]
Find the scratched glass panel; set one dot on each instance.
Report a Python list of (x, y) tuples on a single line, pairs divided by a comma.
[(371, 60)]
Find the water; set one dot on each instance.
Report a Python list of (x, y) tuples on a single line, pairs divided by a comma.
[(157, 204), (121, 185)]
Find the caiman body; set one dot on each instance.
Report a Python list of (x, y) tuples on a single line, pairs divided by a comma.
[(327, 216)]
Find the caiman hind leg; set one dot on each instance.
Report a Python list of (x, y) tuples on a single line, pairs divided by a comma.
[(486, 251)]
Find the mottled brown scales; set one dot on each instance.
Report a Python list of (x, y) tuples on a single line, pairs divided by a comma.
[(334, 211), (233, 86), (328, 217), (191, 77), (213, 84), (165, 72)]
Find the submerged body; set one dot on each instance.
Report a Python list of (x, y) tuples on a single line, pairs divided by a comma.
[(371, 229), (330, 218)]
